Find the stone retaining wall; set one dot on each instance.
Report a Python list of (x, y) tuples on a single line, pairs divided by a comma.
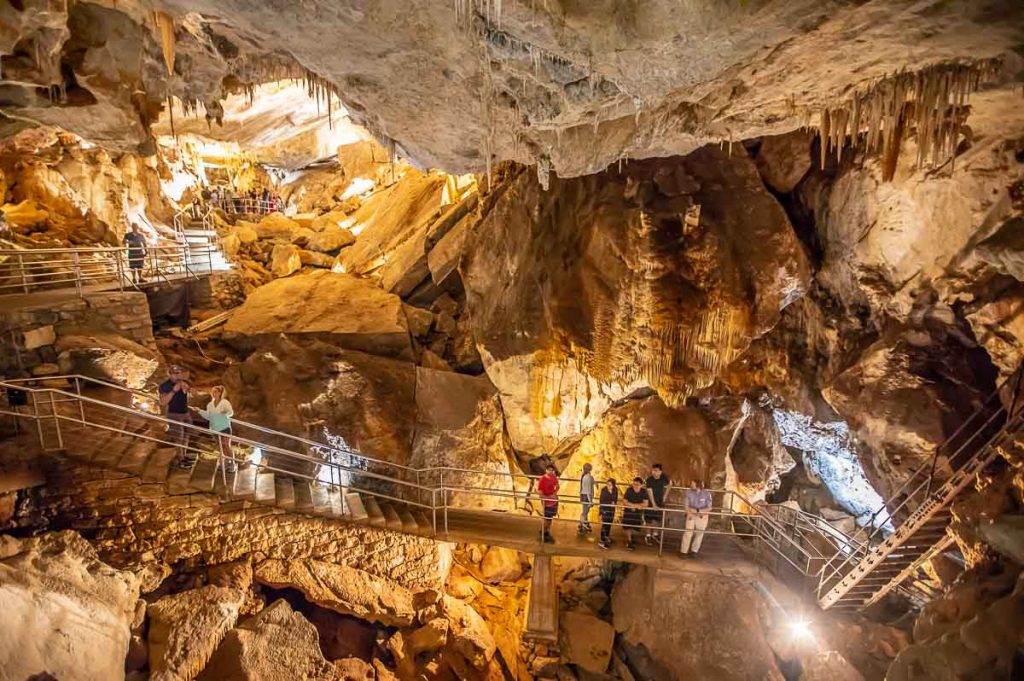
[(28, 332), (131, 521)]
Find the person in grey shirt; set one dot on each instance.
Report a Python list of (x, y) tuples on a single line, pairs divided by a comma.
[(586, 498), (698, 507)]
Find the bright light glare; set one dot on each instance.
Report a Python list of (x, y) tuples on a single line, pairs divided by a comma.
[(800, 630), (359, 186), (256, 457)]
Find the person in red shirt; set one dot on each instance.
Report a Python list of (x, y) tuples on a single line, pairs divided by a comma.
[(548, 488)]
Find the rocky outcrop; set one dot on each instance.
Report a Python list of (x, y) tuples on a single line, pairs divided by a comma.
[(186, 628), (682, 625), (342, 589), (278, 644), (587, 641), (501, 565), (108, 357), (69, 615), (307, 305), (661, 275)]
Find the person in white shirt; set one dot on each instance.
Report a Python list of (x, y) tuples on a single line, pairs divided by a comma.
[(219, 412), (586, 498), (698, 507)]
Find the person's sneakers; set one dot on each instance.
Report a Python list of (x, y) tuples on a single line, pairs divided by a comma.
[(684, 554), (185, 463), (630, 546), (649, 539), (580, 529), (604, 545), (548, 539)]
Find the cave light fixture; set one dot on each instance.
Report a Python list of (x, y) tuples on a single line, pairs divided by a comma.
[(800, 629)]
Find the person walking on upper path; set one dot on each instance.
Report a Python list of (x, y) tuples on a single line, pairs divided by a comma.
[(698, 507), (219, 412), (174, 399), (136, 244), (548, 488), (608, 500), (635, 500), (586, 498), (657, 484)]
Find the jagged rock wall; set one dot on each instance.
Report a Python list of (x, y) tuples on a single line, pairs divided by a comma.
[(659, 274)]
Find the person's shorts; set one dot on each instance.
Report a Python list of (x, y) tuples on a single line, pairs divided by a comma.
[(176, 430), (652, 516), (632, 519), (550, 511), (136, 263)]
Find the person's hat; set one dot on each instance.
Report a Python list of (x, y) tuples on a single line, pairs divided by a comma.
[(175, 369)]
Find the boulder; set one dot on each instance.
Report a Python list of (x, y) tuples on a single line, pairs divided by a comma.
[(245, 232), (684, 625), (501, 565), (302, 235), (330, 220), (314, 259), (459, 425), (186, 628), (330, 240), (276, 226), (342, 589), (586, 641), (429, 638), (343, 309), (109, 357), (784, 160), (285, 260), (68, 614), (277, 644), (25, 216), (468, 634), (300, 385)]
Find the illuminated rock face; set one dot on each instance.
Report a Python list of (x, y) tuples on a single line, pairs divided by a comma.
[(658, 275)]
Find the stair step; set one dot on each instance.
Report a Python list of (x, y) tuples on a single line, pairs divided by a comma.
[(422, 520), (321, 499), (159, 464), (391, 518), (136, 457), (373, 512), (356, 509), (178, 480), (265, 488), (244, 484), (204, 474), (303, 497), (284, 490), (409, 523), (339, 502)]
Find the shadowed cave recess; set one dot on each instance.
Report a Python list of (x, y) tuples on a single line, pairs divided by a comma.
[(300, 302)]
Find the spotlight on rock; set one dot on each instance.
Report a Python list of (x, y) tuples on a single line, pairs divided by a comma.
[(800, 630)]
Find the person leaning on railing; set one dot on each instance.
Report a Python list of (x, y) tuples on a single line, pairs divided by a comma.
[(635, 500), (608, 500)]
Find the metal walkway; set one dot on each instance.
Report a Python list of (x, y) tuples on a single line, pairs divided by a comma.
[(920, 512)]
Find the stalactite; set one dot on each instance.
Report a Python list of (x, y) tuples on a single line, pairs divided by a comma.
[(933, 102), (165, 27)]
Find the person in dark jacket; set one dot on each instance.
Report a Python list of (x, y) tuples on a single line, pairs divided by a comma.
[(608, 500)]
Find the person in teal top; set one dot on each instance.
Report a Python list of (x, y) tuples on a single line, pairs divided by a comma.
[(219, 412)]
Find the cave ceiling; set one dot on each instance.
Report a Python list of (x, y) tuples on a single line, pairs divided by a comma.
[(570, 85)]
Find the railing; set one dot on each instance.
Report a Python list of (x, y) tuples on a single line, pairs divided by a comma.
[(27, 271), (183, 218), (59, 415), (241, 206), (959, 457)]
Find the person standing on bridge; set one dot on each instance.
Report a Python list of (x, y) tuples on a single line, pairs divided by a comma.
[(174, 399), (608, 500), (657, 484), (635, 500), (136, 244), (219, 412), (548, 488), (586, 498), (698, 507)]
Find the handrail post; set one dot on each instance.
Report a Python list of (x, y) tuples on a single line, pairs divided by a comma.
[(39, 421), (661, 536), (78, 272), (81, 404), (120, 271), (21, 270), (56, 421), (433, 512), (444, 500)]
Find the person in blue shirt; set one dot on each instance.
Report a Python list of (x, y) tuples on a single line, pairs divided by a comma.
[(174, 400), (698, 508), (136, 244), (219, 412)]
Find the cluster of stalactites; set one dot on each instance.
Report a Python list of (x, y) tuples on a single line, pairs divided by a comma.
[(933, 101), (489, 10), (267, 70)]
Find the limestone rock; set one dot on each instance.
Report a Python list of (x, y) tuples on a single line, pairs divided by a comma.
[(314, 259), (330, 240), (501, 565), (632, 289), (341, 588), (328, 221), (299, 385), (663, 617), (587, 641), (429, 638), (276, 226), (370, 319), (783, 160), (109, 357), (277, 644), (68, 614), (468, 634), (186, 628), (459, 425), (285, 260)]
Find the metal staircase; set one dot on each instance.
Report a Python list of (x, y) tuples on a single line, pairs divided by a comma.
[(859, 576)]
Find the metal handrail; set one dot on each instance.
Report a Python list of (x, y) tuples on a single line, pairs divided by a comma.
[(243, 206), (764, 531)]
